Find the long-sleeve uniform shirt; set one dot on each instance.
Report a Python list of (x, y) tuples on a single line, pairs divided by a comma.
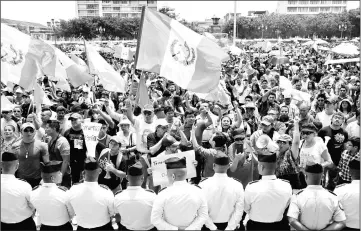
[(182, 206), (316, 207), (225, 200)]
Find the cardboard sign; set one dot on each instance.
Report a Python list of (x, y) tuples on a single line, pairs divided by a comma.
[(91, 131), (159, 170)]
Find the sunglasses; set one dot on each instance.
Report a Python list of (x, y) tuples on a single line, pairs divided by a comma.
[(147, 113), (239, 138), (31, 130), (306, 132), (17, 111)]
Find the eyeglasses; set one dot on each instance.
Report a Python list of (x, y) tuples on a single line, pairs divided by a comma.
[(31, 130), (239, 138), (16, 111), (306, 132), (147, 113)]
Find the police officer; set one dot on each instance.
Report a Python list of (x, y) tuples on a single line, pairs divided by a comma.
[(134, 204), (349, 197), (16, 210), (267, 199), (93, 203), (181, 205), (225, 197), (314, 207), (50, 200)]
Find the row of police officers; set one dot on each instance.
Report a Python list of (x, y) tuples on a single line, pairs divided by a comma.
[(217, 203)]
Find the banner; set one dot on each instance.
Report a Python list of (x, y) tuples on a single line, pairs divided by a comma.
[(159, 170), (91, 131)]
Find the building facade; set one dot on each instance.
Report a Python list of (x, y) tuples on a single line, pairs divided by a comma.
[(310, 7), (230, 16), (119, 9), (30, 28)]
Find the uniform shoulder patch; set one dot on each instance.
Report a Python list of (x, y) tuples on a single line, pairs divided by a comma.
[(104, 186), (63, 188), (331, 192), (119, 191), (299, 192), (203, 179), (36, 187), (285, 180), (340, 185), (255, 181), (149, 190), (162, 189)]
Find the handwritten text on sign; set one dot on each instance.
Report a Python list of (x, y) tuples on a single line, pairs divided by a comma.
[(159, 170), (91, 132)]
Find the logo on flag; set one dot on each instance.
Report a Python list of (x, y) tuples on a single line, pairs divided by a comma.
[(11, 55), (182, 53)]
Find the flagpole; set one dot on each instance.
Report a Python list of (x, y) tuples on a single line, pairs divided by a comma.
[(234, 23), (139, 37)]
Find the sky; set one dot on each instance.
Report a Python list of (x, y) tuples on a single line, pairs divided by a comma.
[(44, 11)]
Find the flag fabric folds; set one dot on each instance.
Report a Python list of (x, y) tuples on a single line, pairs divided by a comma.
[(219, 95), (109, 78), (142, 97), (123, 52), (179, 54)]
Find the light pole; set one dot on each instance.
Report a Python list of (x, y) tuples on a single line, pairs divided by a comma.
[(262, 28), (101, 30), (342, 28), (53, 24)]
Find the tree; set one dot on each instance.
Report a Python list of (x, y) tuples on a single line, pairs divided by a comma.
[(169, 12)]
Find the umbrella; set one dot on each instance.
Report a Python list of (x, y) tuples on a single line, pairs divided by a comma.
[(278, 60), (346, 49)]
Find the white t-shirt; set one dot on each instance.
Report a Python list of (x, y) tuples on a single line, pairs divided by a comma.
[(312, 154), (324, 118), (142, 130)]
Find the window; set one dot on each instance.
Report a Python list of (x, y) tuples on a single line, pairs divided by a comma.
[(315, 2), (324, 2), (107, 9), (303, 9), (291, 9), (336, 9), (92, 6), (106, 1), (116, 8), (150, 2), (107, 15), (116, 2), (292, 2), (303, 2), (324, 9), (123, 15), (314, 9), (336, 2), (82, 7), (91, 11), (124, 2), (136, 8)]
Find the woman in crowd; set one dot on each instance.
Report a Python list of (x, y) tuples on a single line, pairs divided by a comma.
[(8, 139)]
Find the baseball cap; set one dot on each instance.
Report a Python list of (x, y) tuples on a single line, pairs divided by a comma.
[(284, 137), (264, 141), (27, 125), (8, 156), (169, 140), (116, 139), (148, 107), (124, 121), (287, 94), (60, 108), (18, 91), (249, 105), (176, 163), (221, 159), (161, 122), (330, 100), (267, 120), (75, 116)]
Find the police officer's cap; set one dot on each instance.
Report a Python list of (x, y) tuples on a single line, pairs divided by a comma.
[(8, 156), (176, 163), (221, 159), (91, 164), (315, 168), (354, 164), (135, 170), (52, 166)]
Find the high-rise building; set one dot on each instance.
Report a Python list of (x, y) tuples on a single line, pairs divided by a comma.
[(310, 7), (120, 9)]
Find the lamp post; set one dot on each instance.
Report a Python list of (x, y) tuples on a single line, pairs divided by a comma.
[(262, 28), (342, 28), (101, 30), (53, 24)]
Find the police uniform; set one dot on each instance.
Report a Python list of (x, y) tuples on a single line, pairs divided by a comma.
[(92, 203), (349, 197), (266, 200), (134, 204), (225, 199), (314, 207), (51, 202), (180, 206), (16, 210)]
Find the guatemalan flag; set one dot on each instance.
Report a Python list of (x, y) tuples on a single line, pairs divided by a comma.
[(179, 54)]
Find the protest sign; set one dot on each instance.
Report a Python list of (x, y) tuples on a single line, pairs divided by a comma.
[(91, 132), (159, 170)]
